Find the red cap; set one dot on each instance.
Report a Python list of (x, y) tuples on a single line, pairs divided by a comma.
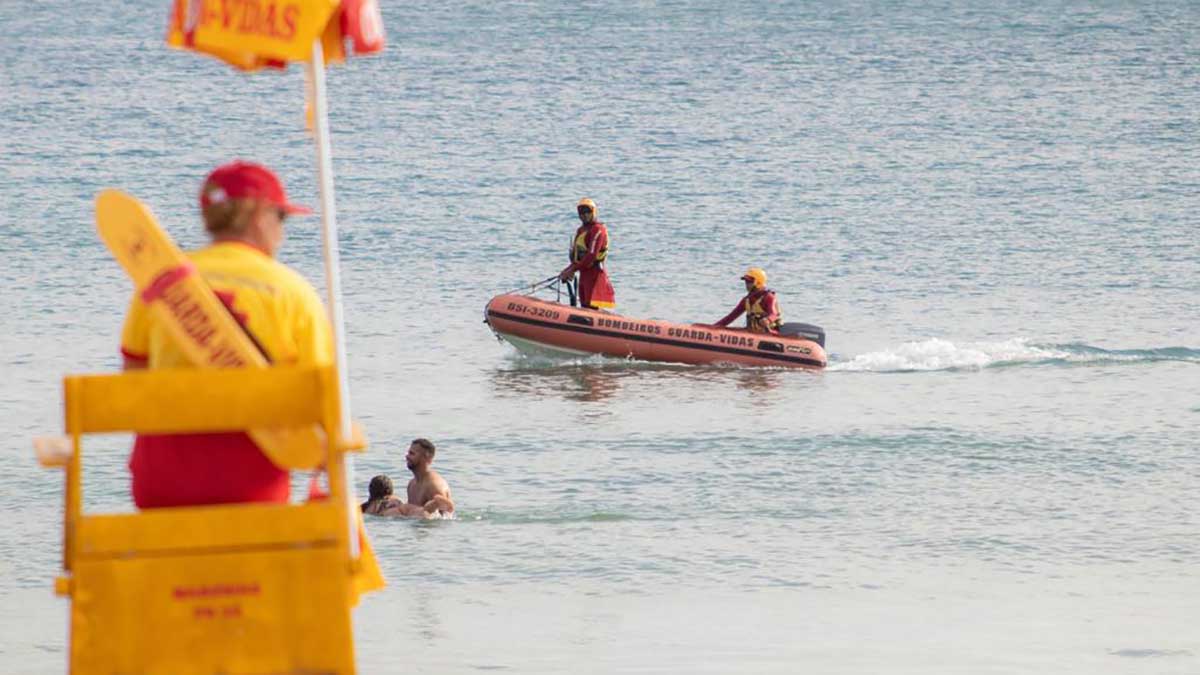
[(246, 180)]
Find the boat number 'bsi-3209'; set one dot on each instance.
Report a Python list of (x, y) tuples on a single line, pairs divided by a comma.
[(533, 311)]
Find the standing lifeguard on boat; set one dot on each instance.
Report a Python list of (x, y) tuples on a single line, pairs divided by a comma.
[(759, 305), (589, 250)]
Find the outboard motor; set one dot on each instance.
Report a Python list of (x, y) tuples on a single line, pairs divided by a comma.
[(806, 331)]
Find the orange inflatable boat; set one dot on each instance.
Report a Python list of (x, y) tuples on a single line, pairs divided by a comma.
[(537, 326)]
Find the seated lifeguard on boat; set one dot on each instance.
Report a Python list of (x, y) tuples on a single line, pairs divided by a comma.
[(760, 306)]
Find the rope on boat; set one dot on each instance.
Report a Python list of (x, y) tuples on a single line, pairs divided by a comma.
[(534, 287)]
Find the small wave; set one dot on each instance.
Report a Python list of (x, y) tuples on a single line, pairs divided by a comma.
[(502, 518), (939, 354), (1149, 653), (510, 518), (533, 363), (431, 518), (1087, 354), (526, 361)]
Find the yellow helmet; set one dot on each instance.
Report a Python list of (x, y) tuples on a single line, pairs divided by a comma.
[(590, 204), (756, 275)]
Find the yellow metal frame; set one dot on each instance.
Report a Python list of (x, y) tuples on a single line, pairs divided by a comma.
[(234, 589)]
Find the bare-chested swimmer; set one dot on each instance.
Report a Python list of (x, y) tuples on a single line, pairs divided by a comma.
[(428, 492)]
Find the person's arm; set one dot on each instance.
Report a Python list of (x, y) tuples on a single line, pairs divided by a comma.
[(733, 315), (135, 336), (394, 506), (570, 270), (439, 500), (406, 510), (599, 241), (771, 308), (573, 267), (439, 503), (567, 272)]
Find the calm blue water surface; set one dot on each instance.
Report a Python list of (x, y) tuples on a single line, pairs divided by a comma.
[(990, 207)]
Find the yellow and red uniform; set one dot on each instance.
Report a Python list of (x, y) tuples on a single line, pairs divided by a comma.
[(283, 314), (588, 253), (761, 310)]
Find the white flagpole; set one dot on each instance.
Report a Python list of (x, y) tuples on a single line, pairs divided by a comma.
[(333, 279)]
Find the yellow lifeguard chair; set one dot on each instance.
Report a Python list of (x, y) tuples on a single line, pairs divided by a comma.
[(231, 589)]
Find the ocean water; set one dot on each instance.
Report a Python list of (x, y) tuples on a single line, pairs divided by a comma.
[(990, 207)]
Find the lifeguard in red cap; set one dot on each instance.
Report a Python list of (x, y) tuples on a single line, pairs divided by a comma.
[(589, 250), (759, 305), (244, 207)]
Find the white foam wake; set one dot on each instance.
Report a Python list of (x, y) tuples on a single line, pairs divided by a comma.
[(938, 354)]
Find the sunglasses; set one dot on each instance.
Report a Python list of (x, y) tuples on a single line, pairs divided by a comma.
[(585, 209)]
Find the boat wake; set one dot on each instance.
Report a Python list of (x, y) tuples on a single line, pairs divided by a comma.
[(520, 361), (938, 354)]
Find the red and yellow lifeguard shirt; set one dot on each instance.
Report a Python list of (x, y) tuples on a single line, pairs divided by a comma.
[(285, 316)]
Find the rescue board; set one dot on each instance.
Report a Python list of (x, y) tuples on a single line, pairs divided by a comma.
[(199, 323)]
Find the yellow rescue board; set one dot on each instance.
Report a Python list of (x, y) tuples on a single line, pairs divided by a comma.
[(196, 319)]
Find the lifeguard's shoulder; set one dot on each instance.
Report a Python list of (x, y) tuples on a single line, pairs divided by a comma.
[(238, 261), (293, 280)]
